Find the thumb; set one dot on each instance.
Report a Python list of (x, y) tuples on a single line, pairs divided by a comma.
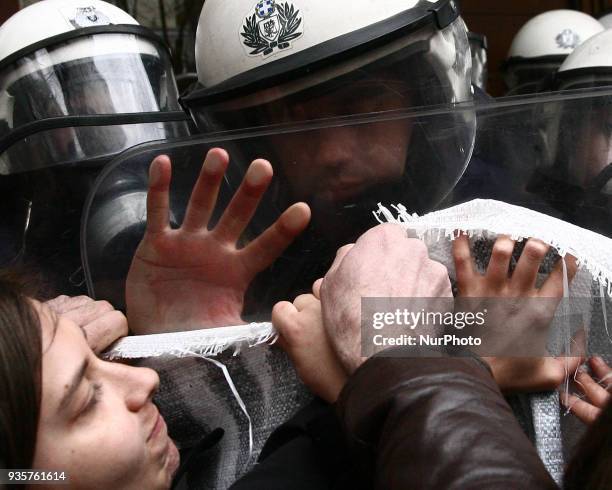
[(282, 315), (316, 288)]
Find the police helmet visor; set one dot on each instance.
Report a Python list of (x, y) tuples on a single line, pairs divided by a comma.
[(99, 74), (427, 67)]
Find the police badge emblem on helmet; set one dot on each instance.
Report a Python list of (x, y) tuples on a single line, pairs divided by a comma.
[(567, 39), (87, 17), (271, 28)]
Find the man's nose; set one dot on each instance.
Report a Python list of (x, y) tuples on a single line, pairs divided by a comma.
[(335, 148)]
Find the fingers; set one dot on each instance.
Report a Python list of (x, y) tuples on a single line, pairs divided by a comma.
[(265, 249), (63, 303), (581, 409), (244, 203), (101, 323), (105, 330), (602, 371), (283, 315), (526, 273), (316, 288), (597, 397), (464, 266), (553, 286), (499, 264), (570, 366), (304, 301), (595, 393), (88, 312), (158, 195), (206, 190)]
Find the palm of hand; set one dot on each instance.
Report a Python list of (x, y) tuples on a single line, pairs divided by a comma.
[(190, 270), (193, 277)]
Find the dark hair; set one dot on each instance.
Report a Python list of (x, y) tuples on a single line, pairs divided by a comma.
[(591, 466), (20, 373)]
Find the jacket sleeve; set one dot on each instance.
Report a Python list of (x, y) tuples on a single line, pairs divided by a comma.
[(436, 423)]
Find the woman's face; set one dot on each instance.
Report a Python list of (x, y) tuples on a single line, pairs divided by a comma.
[(97, 421)]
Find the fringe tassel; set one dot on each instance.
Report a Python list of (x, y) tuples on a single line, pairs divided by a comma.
[(489, 218), (208, 342)]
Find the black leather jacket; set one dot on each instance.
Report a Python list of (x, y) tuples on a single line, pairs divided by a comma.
[(436, 423), (433, 422)]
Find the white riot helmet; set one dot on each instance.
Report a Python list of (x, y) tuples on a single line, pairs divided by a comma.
[(577, 137), (277, 62), (480, 71), (590, 65), (542, 44), (606, 21), (80, 81)]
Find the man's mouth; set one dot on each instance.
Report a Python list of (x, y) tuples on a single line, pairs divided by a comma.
[(340, 190)]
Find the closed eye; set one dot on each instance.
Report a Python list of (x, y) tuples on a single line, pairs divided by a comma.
[(93, 400)]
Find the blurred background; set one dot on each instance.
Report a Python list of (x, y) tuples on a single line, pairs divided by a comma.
[(176, 21)]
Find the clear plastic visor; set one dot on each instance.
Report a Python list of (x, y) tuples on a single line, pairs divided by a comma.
[(101, 74), (512, 162), (526, 77), (579, 137), (551, 153), (340, 161), (480, 70)]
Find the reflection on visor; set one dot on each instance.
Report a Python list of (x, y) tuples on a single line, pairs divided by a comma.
[(86, 145), (341, 170), (13, 231), (344, 169), (361, 97), (527, 76), (123, 74), (357, 93), (112, 84), (479, 61), (603, 182)]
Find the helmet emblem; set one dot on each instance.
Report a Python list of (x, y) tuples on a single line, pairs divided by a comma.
[(567, 39), (89, 16), (265, 9), (271, 28)]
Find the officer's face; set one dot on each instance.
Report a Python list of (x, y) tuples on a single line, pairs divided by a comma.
[(337, 164)]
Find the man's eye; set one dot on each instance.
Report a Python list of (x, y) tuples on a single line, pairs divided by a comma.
[(95, 398)]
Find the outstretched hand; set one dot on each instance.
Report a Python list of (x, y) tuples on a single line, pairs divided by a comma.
[(192, 277), (522, 312)]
